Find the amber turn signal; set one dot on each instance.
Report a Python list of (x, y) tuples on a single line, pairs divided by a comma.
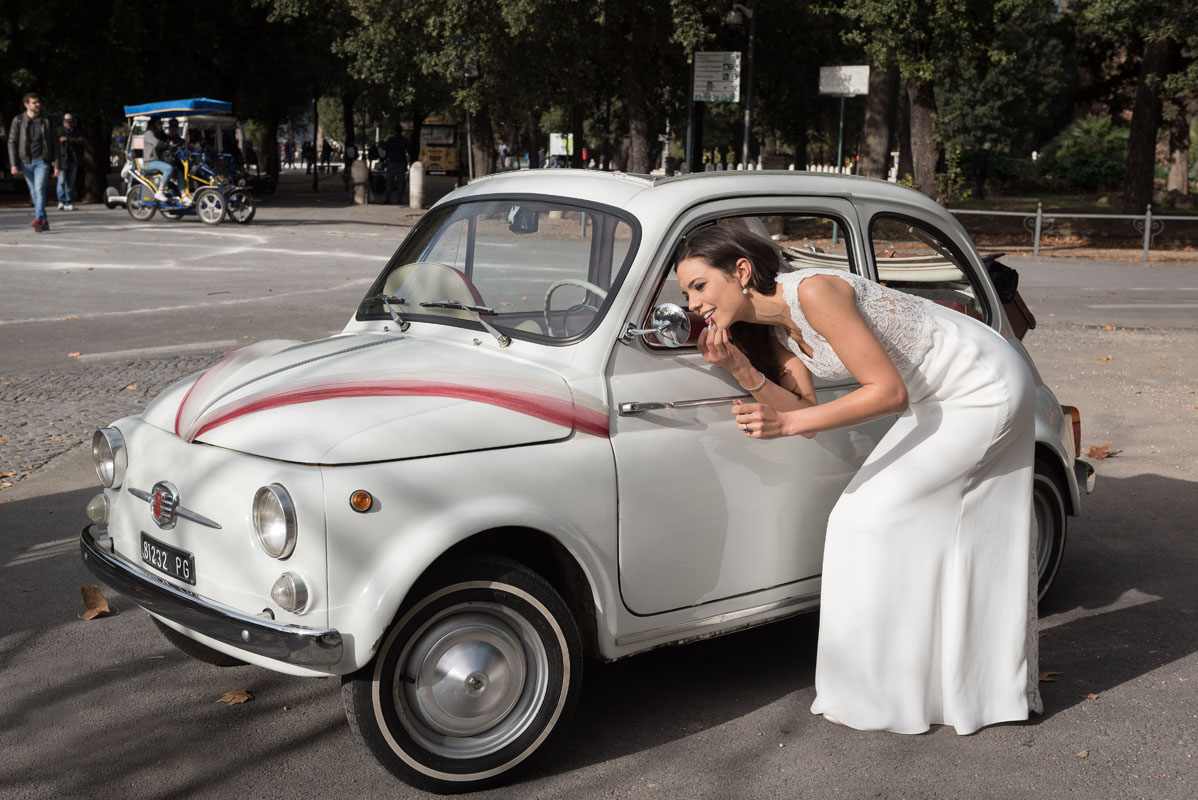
[(361, 501)]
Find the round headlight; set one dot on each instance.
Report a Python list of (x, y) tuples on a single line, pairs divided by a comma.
[(290, 593), (97, 509), (274, 520), (108, 451)]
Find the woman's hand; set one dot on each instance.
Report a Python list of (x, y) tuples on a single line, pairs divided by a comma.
[(716, 347), (759, 421)]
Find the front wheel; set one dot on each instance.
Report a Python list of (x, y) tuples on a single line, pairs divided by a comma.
[(480, 670), (240, 206), (1048, 506), (210, 206)]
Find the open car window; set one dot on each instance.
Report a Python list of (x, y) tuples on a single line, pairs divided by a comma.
[(805, 241), (915, 259), (537, 268)]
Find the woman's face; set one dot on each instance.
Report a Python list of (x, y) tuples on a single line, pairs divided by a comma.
[(711, 293)]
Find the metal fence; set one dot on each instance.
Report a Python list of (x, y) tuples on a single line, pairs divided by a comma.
[(1039, 222)]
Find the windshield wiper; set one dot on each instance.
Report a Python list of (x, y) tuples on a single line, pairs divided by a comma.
[(389, 300), (477, 311)]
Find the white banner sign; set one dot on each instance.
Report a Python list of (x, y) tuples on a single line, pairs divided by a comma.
[(561, 144), (844, 80), (717, 77)]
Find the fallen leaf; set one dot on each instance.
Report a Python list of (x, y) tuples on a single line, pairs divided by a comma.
[(1105, 358), (68, 317), (7, 474), (94, 601), (1049, 677), (64, 272), (5, 439), (235, 696), (1082, 753), (1091, 696), (72, 355), (1164, 367), (1109, 328), (1101, 452), (131, 386)]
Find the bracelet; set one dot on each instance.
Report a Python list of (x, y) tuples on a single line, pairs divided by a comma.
[(755, 388)]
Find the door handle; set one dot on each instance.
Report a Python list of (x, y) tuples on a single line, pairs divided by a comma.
[(634, 408)]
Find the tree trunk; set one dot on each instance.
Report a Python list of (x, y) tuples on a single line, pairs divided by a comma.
[(925, 150), (697, 138), (1145, 123), (97, 138), (1179, 153), (482, 141), (879, 118), (577, 115), (634, 102), (533, 136), (347, 119), (906, 167)]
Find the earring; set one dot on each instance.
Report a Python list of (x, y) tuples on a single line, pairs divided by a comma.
[(744, 290)]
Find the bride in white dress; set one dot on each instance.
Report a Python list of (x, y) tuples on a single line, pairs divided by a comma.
[(928, 590)]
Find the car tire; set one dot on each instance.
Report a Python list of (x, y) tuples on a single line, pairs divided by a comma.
[(480, 670), (1048, 506), (200, 652)]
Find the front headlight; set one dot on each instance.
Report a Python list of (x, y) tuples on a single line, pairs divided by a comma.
[(108, 451), (274, 521)]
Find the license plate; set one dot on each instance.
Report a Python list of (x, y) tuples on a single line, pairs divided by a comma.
[(171, 560)]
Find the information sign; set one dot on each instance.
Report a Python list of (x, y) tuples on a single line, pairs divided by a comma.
[(844, 80), (561, 144), (717, 77)]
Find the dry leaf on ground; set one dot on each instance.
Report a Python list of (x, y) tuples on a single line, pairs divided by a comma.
[(1109, 328), (235, 696), (1103, 451), (94, 601), (72, 355), (1106, 358), (1049, 676), (1091, 696), (7, 474), (1082, 753)]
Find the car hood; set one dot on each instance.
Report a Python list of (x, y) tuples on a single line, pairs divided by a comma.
[(369, 397)]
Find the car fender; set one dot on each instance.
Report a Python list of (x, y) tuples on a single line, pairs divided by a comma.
[(1055, 434)]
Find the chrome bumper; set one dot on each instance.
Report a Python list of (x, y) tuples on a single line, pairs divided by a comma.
[(1085, 475), (293, 644)]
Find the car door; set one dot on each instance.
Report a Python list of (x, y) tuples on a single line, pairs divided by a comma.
[(706, 513)]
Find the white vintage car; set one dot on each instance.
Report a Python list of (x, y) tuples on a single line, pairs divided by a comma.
[(512, 458)]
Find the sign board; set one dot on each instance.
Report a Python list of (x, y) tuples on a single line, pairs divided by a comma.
[(561, 144), (844, 80), (717, 77)]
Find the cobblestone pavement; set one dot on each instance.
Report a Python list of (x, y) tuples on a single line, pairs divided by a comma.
[(44, 415)]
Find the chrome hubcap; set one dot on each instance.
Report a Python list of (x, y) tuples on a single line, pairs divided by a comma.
[(471, 680)]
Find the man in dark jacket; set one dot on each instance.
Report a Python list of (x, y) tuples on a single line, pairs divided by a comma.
[(32, 151), (396, 151), (70, 156)]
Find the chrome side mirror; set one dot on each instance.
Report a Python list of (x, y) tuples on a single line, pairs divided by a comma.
[(671, 326)]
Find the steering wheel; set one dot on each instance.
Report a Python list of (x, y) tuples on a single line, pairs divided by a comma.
[(590, 287)]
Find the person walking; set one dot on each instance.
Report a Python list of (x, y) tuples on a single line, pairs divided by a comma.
[(32, 152), (396, 151), (70, 156), (326, 154)]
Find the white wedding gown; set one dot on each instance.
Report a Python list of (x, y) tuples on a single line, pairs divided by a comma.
[(928, 610)]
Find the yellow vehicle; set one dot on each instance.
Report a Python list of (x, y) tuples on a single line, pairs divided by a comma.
[(439, 147)]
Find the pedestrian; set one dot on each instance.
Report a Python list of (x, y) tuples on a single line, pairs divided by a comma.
[(928, 587), (396, 151), (326, 155), (32, 152), (70, 156)]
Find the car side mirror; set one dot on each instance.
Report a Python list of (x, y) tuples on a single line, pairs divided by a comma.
[(670, 326)]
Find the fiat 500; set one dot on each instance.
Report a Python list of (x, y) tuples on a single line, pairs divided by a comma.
[(513, 458)]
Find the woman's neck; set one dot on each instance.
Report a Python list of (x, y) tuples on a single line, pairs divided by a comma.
[(771, 309)]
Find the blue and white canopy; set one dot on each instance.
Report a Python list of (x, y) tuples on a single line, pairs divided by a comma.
[(180, 108)]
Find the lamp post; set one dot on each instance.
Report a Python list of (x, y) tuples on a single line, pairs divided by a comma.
[(737, 16)]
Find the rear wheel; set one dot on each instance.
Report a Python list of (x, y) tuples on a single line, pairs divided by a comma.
[(478, 673), (210, 206), (140, 202), (1048, 505)]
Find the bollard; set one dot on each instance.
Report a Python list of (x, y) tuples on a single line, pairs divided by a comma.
[(416, 185), (359, 175), (1147, 230), (1039, 220)]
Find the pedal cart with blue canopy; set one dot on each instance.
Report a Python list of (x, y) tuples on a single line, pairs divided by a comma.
[(207, 136)]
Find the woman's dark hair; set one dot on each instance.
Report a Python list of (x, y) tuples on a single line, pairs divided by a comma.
[(722, 246)]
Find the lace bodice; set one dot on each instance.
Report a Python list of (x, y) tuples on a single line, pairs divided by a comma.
[(902, 323)]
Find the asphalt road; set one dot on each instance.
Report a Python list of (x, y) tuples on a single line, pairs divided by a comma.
[(108, 708)]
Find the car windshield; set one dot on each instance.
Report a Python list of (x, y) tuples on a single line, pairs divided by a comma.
[(539, 269)]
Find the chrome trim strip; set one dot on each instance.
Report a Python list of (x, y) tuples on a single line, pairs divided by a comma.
[(675, 631), (180, 511), (293, 644), (630, 409)]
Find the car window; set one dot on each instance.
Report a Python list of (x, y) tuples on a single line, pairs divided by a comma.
[(915, 259), (805, 240), (537, 268)]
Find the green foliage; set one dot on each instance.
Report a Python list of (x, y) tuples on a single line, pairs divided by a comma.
[(1090, 154), (950, 184)]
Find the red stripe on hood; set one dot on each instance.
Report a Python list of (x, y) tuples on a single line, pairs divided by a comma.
[(556, 411)]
